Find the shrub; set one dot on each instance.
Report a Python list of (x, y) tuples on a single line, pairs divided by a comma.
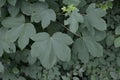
[(59, 40)]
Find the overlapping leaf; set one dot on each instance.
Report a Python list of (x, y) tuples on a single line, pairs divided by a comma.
[(34, 71), (73, 21), (12, 2), (117, 42), (39, 12), (18, 30), (5, 45), (117, 30), (8, 76), (93, 47), (13, 10), (49, 49), (80, 48), (93, 18)]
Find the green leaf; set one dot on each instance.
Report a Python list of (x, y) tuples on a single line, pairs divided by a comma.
[(96, 22), (118, 61), (114, 75), (117, 42), (21, 78), (10, 22), (8, 76), (12, 2), (53, 5), (110, 39), (39, 12), (15, 70), (31, 9), (56, 48), (1, 51), (31, 60), (69, 2), (94, 18), (93, 47), (80, 48), (98, 11), (42, 0), (99, 35), (73, 21), (4, 44), (82, 3), (0, 13), (93, 77), (34, 71), (20, 56), (13, 34), (1, 67), (62, 38), (13, 10), (45, 17), (25, 35), (75, 78), (54, 29), (26, 8), (89, 27), (19, 30), (65, 78), (117, 30)]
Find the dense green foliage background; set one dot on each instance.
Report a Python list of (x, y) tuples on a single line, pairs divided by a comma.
[(59, 39)]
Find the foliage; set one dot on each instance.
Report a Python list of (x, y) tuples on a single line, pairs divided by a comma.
[(59, 39)]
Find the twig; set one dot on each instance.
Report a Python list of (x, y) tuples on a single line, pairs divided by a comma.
[(69, 30)]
